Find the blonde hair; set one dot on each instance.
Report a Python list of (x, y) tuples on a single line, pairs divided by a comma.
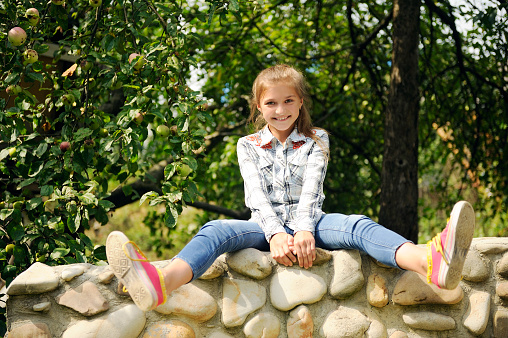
[(283, 74)]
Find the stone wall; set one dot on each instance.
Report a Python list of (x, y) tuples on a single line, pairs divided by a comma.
[(246, 294)]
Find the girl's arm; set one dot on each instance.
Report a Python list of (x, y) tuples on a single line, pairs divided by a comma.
[(312, 196), (256, 196)]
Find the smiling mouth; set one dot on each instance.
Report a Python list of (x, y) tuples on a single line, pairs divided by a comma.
[(282, 118)]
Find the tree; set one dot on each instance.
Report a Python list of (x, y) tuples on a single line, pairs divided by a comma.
[(399, 176)]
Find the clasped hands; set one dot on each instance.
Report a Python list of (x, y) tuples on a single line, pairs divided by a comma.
[(287, 249)]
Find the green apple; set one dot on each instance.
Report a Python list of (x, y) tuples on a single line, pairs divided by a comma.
[(95, 3), (17, 36), (10, 248), (162, 130), (103, 132), (12, 151), (58, 2), (30, 56), (17, 205), (184, 170), (140, 60), (32, 14), (68, 99), (85, 65)]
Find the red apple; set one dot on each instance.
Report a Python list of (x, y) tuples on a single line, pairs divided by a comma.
[(64, 146), (32, 14), (13, 90), (31, 56), (140, 60), (17, 36), (139, 117)]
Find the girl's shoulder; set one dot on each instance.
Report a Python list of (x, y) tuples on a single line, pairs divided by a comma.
[(320, 132)]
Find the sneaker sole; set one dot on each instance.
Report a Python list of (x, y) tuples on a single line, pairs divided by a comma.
[(462, 225), (125, 271)]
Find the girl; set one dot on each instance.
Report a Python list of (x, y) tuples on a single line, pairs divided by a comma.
[(283, 166)]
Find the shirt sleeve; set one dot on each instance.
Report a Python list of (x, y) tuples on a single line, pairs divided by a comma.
[(309, 212), (256, 194)]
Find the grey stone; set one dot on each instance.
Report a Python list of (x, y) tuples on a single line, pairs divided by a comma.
[(322, 256), (300, 323), (475, 269), (72, 272), (490, 245), (428, 321), (30, 330), (344, 322), (215, 270), (106, 277), (127, 322), (171, 328), (190, 301), (41, 307), (294, 286), (412, 289), (502, 266), (501, 323), (502, 290), (347, 275), (38, 278), (477, 315), (239, 299), (262, 325), (250, 262), (377, 292), (399, 334)]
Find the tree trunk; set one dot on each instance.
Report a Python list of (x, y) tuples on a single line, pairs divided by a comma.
[(399, 177)]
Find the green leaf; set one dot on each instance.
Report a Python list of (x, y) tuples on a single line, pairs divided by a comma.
[(150, 194), (15, 231), (59, 253), (41, 149), (33, 203), (46, 190)]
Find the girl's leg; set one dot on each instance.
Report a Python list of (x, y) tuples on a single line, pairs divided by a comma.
[(441, 261), (149, 286)]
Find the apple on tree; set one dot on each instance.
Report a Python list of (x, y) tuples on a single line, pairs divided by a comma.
[(64, 146), (58, 2), (85, 65), (95, 3), (140, 60), (139, 117), (68, 99), (162, 130), (32, 14), (31, 56), (17, 36), (13, 90)]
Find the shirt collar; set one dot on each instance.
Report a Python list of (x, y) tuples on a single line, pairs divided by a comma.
[(267, 136)]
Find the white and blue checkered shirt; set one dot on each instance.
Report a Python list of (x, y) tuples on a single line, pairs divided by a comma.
[(283, 183)]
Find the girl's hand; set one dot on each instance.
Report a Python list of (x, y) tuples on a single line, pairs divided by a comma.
[(281, 248), (305, 247)]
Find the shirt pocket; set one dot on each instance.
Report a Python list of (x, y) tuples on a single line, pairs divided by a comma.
[(297, 166), (266, 168)]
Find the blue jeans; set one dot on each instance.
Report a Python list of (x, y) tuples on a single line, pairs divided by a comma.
[(333, 231)]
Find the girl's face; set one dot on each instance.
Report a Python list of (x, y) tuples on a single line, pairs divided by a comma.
[(280, 106)]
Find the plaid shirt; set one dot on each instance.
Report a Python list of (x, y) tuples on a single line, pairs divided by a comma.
[(283, 183)]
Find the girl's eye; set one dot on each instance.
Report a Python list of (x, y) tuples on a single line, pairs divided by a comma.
[(269, 103), (289, 100)]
